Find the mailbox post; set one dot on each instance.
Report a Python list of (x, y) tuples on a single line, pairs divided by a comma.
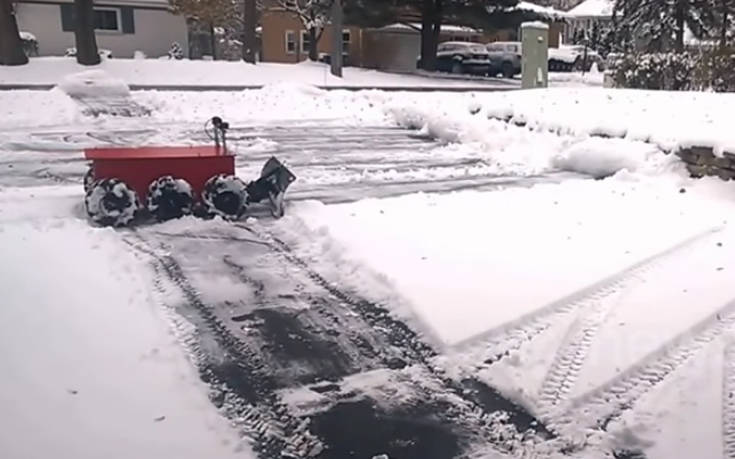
[(535, 55)]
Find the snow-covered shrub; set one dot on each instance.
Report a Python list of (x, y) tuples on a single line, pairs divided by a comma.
[(30, 43), (716, 71), (668, 71), (175, 51), (690, 71), (138, 54)]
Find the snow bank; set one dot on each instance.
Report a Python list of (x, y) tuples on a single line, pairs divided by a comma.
[(667, 120), (49, 70), (93, 83), (91, 368)]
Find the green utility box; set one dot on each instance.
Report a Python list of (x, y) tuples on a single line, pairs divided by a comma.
[(535, 55)]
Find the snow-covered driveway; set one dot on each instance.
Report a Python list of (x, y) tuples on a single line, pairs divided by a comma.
[(441, 289)]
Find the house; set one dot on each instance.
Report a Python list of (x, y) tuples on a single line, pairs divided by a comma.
[(122, 26), (587, 16), (285, 39)]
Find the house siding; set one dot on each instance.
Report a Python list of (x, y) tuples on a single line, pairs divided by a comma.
[(277, 22), (154, 29)]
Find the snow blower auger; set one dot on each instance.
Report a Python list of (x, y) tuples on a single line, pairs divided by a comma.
[(170, 182)]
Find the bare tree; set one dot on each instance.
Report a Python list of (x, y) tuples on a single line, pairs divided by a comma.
[(11, 46), (86, 41), (314, 15)]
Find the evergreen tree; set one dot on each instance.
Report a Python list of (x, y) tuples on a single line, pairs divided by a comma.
[(659, 25)]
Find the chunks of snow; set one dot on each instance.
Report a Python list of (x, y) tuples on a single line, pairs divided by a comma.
[(601, 157), (93, 84)]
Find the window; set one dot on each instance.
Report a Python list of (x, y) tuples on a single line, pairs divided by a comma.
[(346, 41), (121, 20), (305, 41), (107, 19), (290, 42)]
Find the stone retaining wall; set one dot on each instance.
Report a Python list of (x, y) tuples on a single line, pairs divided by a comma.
[(701, 161)]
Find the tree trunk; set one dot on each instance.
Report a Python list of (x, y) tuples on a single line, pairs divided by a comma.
[(11, 47), (337, 45), (313, 45), (86, 41), (428, 49), (437, 25), (213, 42), (725, 22), (679, 18), (249, 38)]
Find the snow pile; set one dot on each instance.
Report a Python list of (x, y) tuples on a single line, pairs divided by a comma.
[(93, 84), (24, 109), (92, 369), (667, 120), (602, 157), (514, 150)]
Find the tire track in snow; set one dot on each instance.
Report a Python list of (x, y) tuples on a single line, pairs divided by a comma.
[(728, 399), (258, 410), (600, 406), (501, 341), (478, 407), (570, 357)]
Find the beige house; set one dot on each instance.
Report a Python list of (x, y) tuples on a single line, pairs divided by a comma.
[(122, 26)]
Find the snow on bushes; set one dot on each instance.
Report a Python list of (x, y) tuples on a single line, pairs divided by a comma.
[(690, 71)]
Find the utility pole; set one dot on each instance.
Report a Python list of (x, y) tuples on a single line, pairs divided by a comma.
[(337, 45)]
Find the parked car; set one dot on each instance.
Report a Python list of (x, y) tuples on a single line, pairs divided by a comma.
[(461, 57), (505, 57), (572, 57)]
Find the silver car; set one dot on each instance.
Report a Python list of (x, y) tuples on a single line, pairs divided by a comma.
[(505, 57)]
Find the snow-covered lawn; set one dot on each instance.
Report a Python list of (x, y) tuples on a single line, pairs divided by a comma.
[(584, 287), (53, 70), (50, 70), (91, 365)]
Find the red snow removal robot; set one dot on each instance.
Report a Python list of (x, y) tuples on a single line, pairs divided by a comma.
[(169, 182)]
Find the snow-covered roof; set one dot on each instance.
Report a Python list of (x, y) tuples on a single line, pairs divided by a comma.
[(593, 8), (417, 26), (545, 11)]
